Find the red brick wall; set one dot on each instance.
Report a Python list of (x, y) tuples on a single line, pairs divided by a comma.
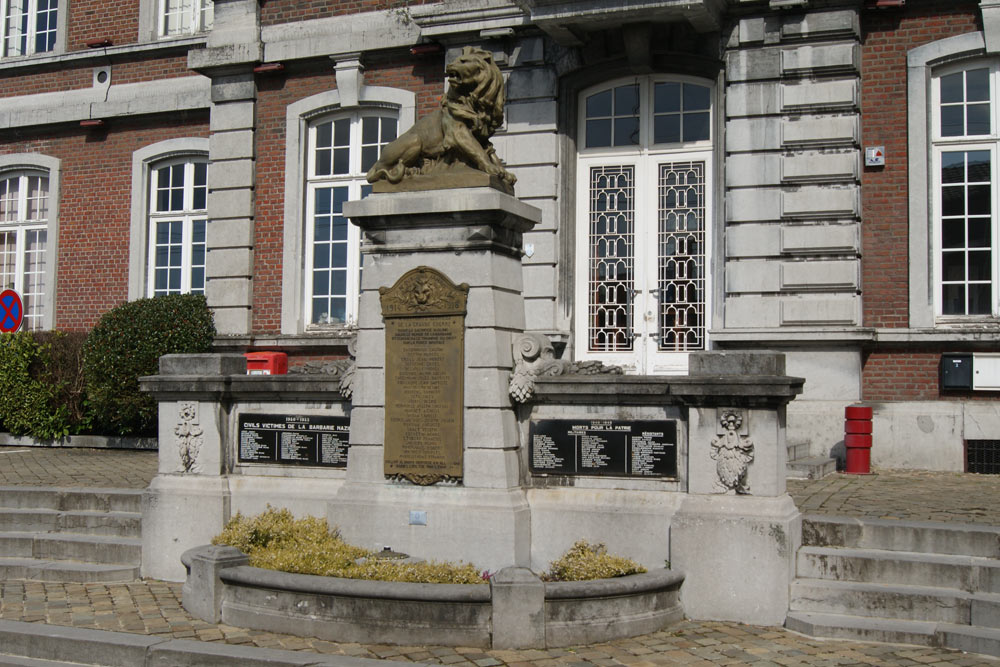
[(424, 76), (14, 83), (288, 11), (95, 205), (101, 19), (887, 36), (909, 374)]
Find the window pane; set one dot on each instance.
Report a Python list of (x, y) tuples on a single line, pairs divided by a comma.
[(979, 166), (598, 133), (696, 97), (979, 233), (627, 100), (977, 119), (977, 85), (980, 300), (953, 299), (952, 88), (342, 132), (979, 265), (667, 129), (388, 130), (696, 126), (953, 266), (324, 201), (369, 155), (953, 167), (979, 200), (952, 121), (339, 229), (627, 131), (666, 97), (324, 134), (321, 257), (341, 160), (369, 130), (599, 104), (952, 234), (953, 200)]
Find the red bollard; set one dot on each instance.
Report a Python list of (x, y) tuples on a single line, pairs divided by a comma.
[(858, 439)]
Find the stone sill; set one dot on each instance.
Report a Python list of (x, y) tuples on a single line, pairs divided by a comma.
[(100, 55), (329, 340), (243, 387)]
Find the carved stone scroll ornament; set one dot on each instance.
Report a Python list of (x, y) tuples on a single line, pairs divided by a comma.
[(342, 368), (189, 435), (534, 357), (456, 137), (733, 454)]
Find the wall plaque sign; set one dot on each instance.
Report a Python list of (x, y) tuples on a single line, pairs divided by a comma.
[(312, 440), (603, 447), (424, 315)]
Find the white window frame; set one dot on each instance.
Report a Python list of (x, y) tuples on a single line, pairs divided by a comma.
[(31, 34), (646, 157), (21, 227), (36, 164), (301, 117), (144, 162), (201, 19), (187, 216), (940, 144)]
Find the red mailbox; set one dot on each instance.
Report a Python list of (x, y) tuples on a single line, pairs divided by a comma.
[(266, 363), (858, 439)]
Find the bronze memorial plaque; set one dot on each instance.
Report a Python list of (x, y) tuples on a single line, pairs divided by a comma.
[(424, 315)]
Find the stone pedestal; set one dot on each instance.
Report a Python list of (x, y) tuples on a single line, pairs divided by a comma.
[(471, 236)]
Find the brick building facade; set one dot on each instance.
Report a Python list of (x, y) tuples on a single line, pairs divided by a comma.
[(699, 167)]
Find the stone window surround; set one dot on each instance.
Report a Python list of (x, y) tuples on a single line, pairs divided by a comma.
[(51, 165), (299, 115), (62, 27), (142, 166), (920, 65)]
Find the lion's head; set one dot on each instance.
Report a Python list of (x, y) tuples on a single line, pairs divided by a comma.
[(475, 83)]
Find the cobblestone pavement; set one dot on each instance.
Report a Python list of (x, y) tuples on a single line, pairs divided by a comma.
[(153, 608), (912, 495), (58, 466)]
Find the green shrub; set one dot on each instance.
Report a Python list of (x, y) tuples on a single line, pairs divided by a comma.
[(275, 540), (126, 344), (585, 561), (64, 372), (30, 394)]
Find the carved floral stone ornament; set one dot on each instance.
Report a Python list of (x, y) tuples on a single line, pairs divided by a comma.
[(339, 368), (189, 435), (424, 290), (534, 357), (445, 146), (733, 453)]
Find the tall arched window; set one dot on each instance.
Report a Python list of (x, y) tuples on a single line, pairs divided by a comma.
[(342, 148), (24, 217), (644, 211)]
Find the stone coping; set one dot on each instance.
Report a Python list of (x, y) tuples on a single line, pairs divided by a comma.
[(249, 387), (700, 390), (646, 582), (354, 588)]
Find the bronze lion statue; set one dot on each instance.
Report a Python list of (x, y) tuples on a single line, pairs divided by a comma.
[(459, 132)]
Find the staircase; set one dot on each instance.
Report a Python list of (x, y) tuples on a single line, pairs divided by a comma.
[(800, 465), (926, 583), (70, 535)]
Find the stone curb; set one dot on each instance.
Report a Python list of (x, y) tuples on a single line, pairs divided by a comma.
[(122, 649)]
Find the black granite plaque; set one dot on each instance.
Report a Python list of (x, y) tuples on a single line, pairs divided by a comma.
[(312, 440), (603, 447)]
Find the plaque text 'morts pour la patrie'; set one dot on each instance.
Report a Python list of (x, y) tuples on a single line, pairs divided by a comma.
[(603, 447), (424, 315), (314, 440)]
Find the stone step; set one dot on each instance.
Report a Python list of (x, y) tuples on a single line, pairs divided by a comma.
[(914, 536), (70, 546), (965, 573), (18, 661), (814, 467), (984, 641), (67, 499), (89, 647), (911, 603), (798, 451), (65, 571), (88, 522)]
